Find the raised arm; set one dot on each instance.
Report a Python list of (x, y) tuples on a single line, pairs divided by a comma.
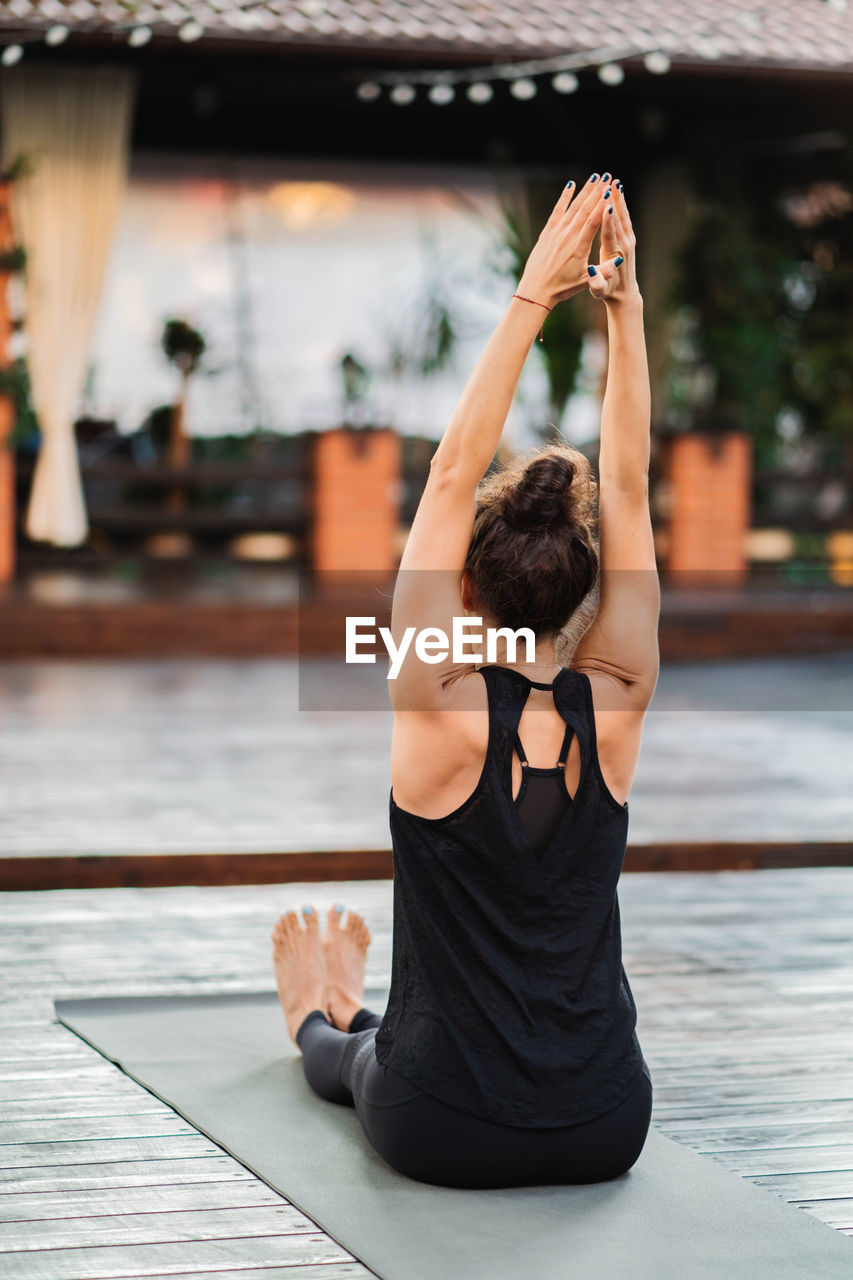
[(621, 645), (427, 590)]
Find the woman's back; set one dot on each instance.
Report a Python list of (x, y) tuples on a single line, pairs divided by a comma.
[(508, 997), (437, 757)]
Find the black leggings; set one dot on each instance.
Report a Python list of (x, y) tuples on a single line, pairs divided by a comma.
[(427, 1140)]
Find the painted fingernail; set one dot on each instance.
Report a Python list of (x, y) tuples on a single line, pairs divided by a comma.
[(591, 270), (569, 184), (607, 193), (618, 262), (594, 177), (339, 906), (619, 186), (308, 911), (605, 177), (610, 210)]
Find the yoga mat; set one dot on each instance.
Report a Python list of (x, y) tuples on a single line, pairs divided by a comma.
[(226, 1064)]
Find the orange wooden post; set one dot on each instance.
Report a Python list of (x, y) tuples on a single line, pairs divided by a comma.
[(356, 502), (7, 410), (709, 481)]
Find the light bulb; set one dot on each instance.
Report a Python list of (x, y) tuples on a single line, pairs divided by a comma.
[(565, 82), (369, 91), (139, 36), (480, 92), (402, 94), (657, 62), (441, 94), (191, 30), (11, 54), (523, 89), (611, 73), (56, 34)]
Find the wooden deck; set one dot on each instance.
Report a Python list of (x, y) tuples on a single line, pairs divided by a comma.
[(743, 982)]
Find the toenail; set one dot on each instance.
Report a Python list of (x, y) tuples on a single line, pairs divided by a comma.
[(339, 907), (308, 911)]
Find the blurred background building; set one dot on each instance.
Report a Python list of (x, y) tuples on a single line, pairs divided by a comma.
[(251, 253)]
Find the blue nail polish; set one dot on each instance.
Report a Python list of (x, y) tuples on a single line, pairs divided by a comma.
[(606, 194), (618, 262), (610, 210), (308, 911), (605, 177), (591, 270), (339, 906), (569, 184), (619, 186), (594, 177)]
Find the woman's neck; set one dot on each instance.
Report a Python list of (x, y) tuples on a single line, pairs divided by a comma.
[(543, 647)]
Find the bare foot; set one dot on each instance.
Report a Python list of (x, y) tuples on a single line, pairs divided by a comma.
[(299, 967), (345, 950)]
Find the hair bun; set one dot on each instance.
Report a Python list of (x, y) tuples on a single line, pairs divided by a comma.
[(540, 500)]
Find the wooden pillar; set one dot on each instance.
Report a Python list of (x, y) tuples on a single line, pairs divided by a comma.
[(356, 502), (7, 411), (709, 483)]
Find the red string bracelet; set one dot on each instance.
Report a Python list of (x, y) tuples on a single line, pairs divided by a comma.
[(536, 304)]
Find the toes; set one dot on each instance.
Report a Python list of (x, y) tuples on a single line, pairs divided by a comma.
[(284, 927), (312, 920), (359, 929), (334, 915)]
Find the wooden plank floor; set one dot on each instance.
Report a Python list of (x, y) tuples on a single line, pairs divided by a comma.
[(218, 757), (743, 982)]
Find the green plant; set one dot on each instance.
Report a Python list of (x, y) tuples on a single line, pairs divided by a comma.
[(15, 384), (183, 345), (13, 261), (763, 294), (425, 339), (730, 276)]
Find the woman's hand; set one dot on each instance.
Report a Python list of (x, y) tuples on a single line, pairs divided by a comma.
[(557, 266), (614, 280)]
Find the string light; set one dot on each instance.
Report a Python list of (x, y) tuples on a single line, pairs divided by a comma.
[(611, 73), (402, 94), (522, 77), (11, 54), (441, 94), (524, 89), (565, 82), (369, 91), (657, 62), (139, 36), (56, 34), (191, 30)]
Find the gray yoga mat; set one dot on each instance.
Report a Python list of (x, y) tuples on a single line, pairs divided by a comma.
[(225, 1063)]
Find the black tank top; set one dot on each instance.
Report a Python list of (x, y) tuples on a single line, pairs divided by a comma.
[(543, 797), (509, 999)]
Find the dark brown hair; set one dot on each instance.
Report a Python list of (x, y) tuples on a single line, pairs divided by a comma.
[(533, 556)]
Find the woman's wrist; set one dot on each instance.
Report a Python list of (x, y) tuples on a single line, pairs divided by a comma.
[(537, 292), (626, 303)]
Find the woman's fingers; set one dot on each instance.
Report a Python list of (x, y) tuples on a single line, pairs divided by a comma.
[(624, 215), (610, 223), (564, 200), (601, 274), (588, 197)]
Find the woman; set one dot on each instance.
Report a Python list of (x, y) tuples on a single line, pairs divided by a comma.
[(508, 1052)]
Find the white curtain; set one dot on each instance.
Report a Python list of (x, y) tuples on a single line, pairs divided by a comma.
[(73, 125)]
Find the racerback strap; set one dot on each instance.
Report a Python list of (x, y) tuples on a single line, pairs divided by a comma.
[(564, 749)]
